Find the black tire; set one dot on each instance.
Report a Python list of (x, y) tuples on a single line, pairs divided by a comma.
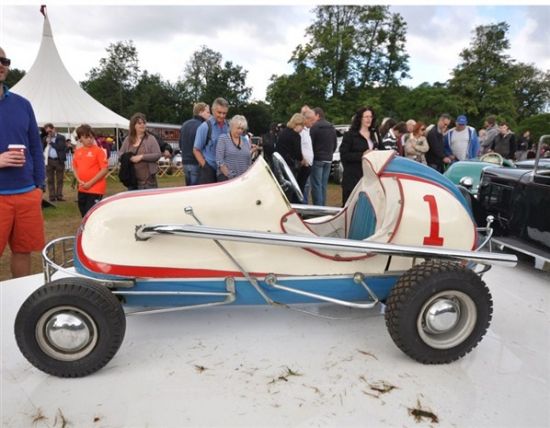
[(96, 332), (462, 308)]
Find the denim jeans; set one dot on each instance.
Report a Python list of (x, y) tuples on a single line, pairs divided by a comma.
[(320, 172), (191, 172)]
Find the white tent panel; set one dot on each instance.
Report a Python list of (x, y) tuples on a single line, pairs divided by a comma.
[(56, 97)]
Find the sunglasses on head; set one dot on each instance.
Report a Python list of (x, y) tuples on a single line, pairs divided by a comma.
[(5, 61)]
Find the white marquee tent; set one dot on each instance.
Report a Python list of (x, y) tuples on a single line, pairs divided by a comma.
[(56, 97)]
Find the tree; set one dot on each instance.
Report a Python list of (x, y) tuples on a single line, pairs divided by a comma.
[(483, 79), (351, 52), (355, 47), (112, 82), (156, 98), (395, 63), (14, 76), (426, 102), (199, 72), (487, 81), (288, 93), (258, 115), (531, 90), (331, 47), (205, 79), (538, 125)]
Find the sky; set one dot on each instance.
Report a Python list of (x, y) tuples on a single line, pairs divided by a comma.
[(259, 38)]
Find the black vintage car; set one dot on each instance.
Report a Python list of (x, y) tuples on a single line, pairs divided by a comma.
[(519, 200)]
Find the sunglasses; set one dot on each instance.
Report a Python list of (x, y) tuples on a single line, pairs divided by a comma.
[(5, 61)]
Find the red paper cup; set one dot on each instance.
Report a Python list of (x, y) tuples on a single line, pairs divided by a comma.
[(17, 148)]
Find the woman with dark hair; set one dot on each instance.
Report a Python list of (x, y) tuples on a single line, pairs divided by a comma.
[(361, 138), (146, 152)]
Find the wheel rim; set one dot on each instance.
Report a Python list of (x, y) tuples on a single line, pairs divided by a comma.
[(66, 333), (447, 319)]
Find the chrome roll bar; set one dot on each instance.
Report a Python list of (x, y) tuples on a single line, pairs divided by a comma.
[(145, 232)]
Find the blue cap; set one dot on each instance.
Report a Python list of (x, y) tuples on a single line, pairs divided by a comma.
[(461, 120)]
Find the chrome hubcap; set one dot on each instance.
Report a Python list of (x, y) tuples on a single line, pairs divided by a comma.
[(442, 315), (66, 333), (447, 319)]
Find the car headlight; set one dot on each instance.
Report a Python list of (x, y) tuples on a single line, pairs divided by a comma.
[(467, 182)]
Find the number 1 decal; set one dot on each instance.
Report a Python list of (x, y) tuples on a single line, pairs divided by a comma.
[(434, 238)]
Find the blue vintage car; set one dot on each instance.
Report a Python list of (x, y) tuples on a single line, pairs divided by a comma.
[(468, 173)]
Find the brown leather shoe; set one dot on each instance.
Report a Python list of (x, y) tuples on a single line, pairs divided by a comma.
[(61, 198)]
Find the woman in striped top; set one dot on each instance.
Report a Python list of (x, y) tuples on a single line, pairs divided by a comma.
[(233, 151)]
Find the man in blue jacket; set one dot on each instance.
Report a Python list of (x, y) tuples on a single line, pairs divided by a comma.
[(21, 177), (188, 132), (461, 142)]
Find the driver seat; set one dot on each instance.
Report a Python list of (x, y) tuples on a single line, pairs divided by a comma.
[(366, 206), (363, 219), (372, 211)]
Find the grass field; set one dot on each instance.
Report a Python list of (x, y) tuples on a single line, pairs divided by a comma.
[(64, 219)]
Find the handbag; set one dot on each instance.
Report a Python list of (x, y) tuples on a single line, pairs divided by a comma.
[(126, 171)]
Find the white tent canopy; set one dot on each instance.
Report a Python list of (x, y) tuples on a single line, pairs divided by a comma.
[(56, 97)]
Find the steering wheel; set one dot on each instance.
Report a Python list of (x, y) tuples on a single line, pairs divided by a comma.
[(492, 158), (285, 177)]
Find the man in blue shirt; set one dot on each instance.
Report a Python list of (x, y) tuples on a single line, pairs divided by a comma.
[(21, 177), (206, 140), (188, 132)]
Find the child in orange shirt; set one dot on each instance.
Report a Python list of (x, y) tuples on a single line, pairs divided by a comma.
[(90, 167)]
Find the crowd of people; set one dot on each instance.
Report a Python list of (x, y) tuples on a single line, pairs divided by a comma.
[(213, 149)]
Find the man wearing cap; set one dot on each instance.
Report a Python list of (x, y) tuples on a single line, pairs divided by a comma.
[(461, 142), (21, 178)]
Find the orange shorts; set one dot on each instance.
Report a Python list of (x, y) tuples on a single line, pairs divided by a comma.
[(21, 222)]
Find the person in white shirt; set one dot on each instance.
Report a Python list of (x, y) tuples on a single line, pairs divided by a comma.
[(307, 152), (461, 142)]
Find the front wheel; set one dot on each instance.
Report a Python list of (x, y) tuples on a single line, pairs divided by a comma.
[(70, 327), (438, 312)]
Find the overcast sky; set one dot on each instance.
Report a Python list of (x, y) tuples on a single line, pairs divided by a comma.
[(259, 38)]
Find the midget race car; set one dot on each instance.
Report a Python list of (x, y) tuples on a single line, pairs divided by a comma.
[(405, 239)]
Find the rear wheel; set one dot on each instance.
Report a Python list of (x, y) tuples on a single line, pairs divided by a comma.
[(438, 312), (70, 327)]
